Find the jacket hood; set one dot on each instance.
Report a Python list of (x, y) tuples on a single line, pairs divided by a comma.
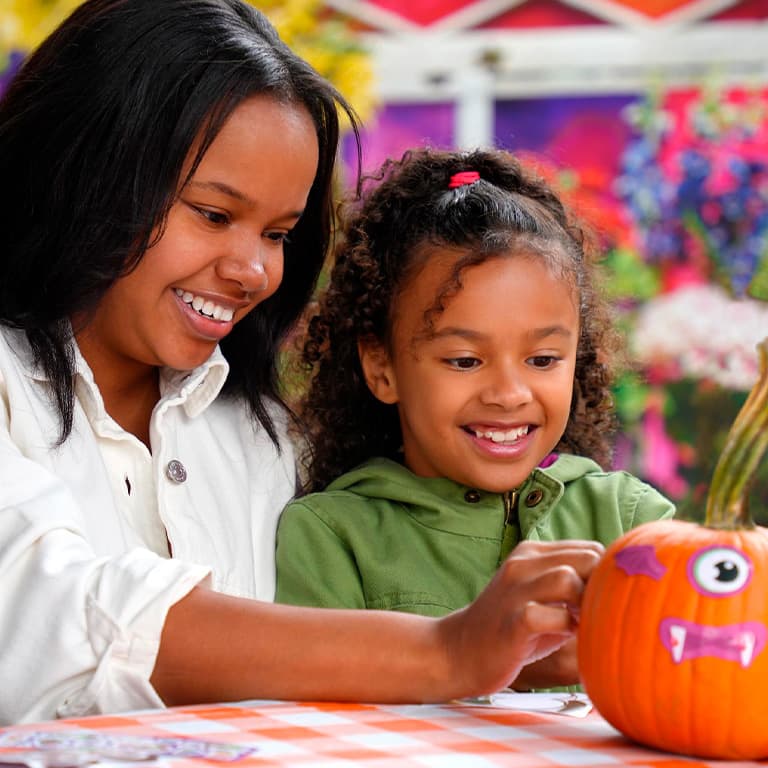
[(386, 479)]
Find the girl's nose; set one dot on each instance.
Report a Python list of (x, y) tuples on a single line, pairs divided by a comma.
[(246, 266), (506, 388)]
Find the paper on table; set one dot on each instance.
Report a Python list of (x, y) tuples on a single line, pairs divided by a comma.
[(84, 747), (571, 704)]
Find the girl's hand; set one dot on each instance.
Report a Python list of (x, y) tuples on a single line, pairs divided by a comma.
[(559, 668), (526, 613)]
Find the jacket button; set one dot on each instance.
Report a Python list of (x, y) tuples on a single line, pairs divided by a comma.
[(176, 471), (472, 497), (534, 497)]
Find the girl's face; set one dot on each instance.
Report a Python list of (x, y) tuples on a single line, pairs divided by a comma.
[(221, 253), (486, 396)]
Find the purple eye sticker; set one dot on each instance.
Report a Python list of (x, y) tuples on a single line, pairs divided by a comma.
[(640, 560), (719, 571)]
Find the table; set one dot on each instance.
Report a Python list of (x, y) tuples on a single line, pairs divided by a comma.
[(332, 735)]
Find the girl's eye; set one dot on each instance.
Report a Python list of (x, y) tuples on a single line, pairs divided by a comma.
[(542, 361), (463, 363)]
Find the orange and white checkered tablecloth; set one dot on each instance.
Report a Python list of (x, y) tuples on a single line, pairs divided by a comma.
[(332, 735)]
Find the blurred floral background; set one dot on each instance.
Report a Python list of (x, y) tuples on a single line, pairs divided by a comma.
[(674, 179), (686, 274)]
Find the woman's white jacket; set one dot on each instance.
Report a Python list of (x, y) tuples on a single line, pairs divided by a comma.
[(83, 597)]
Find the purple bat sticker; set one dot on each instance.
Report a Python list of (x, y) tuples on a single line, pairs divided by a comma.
[(640, 559)]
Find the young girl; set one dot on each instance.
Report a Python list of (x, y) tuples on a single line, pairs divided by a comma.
[(460, 397), (166, 173)]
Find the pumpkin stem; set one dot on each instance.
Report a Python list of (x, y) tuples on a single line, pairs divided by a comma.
[(745, 445)]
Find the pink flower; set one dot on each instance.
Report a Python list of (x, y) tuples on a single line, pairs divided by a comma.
[(681, 275), (660, 454)]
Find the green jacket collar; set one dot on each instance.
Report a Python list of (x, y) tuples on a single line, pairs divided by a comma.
[(441, 503)]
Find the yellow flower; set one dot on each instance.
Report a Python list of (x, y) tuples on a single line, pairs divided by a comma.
[(24, 23), (321, 36), (327, 41)]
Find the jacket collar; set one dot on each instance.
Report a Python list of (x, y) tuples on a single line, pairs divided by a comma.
[(195, 390), (443, 504), (198, 388)]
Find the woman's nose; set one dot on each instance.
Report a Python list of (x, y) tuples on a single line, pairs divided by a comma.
[(246, 265)]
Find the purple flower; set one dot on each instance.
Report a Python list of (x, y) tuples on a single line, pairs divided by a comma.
[(703, 177), (14, 62)]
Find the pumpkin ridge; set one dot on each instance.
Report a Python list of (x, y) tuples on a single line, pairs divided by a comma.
[(614, 655)]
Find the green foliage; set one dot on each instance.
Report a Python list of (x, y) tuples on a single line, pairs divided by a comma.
[(758, 288), (631, 396), (629, 277)]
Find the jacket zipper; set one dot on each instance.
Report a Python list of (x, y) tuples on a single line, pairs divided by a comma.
[(510, 506)]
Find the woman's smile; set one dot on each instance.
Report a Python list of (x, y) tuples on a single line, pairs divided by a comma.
[(209, 319), (205, 306)]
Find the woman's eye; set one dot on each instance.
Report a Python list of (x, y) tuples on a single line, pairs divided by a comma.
[(463, 363), (278, 237), (215, 217), (542, 361)]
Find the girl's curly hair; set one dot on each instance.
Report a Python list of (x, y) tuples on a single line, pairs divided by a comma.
[(404, 206)]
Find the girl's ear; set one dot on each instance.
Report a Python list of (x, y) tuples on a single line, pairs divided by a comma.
[(377, 369)]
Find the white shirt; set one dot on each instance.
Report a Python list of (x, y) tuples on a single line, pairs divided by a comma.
[(86, 578)]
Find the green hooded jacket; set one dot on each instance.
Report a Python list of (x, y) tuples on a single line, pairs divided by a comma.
[(381, 537)]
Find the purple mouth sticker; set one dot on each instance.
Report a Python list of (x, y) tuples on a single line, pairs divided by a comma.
[(733, 642)]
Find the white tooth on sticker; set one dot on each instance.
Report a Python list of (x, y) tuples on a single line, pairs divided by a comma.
[(217, 312), (197, 303), (747, 648), (227, 315), (187, 297), (208, 307), (677, 634)]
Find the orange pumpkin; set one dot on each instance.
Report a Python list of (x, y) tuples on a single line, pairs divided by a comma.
[(673, 637)]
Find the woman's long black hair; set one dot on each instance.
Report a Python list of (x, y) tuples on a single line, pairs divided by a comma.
[(94, 131)]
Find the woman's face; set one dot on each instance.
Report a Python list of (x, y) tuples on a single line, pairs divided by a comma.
[(221, 253)]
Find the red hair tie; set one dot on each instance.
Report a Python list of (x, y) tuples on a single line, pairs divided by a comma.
[(462, 178)]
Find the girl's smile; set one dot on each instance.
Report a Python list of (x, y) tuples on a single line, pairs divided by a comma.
[(500, 442)]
